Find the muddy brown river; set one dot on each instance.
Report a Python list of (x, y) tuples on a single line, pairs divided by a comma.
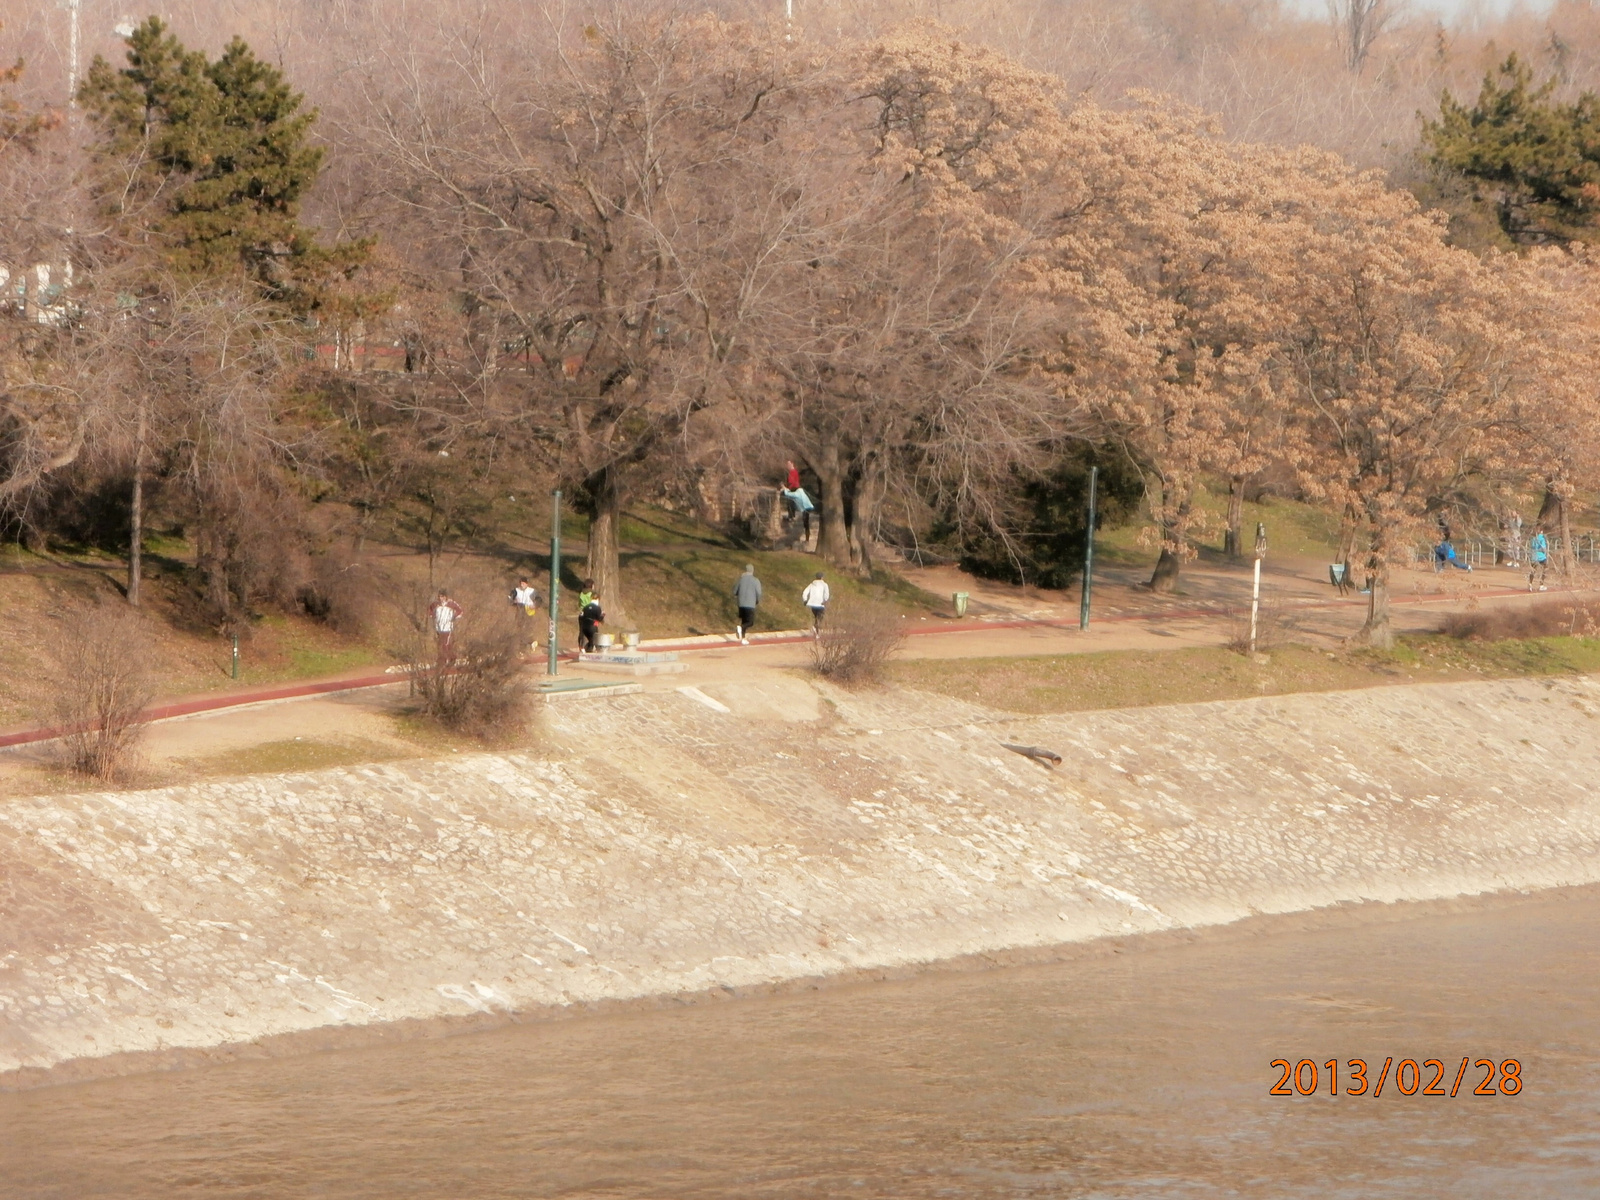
[(1139, 1069)]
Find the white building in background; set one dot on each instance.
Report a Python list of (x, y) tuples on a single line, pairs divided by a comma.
[(37, 292)]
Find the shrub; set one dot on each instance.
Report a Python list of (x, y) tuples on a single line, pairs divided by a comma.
[(1547, 618), (855, 641), (1274, 625), (344, 592), (104, 683), (478, 690)]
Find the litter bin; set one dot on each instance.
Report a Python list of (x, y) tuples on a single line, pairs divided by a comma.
[(959, 599)]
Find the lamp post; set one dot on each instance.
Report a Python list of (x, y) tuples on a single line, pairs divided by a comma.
[(1255, 591), (1088, 554), (72, 53), (555, 576)]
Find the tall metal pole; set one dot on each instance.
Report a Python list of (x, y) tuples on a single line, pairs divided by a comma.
[(72, 56), (1255, 590), (555, 576), (1088, 554)]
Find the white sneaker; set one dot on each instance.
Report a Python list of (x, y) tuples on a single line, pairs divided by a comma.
[(738, 632), (1542, 588), (744, 641)]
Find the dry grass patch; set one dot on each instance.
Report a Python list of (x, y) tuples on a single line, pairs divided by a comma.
[(1140, 678)]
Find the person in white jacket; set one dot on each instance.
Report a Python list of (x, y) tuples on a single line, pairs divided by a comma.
[(816, 597)]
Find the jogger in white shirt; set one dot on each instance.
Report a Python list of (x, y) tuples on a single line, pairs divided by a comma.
[(816, 597)]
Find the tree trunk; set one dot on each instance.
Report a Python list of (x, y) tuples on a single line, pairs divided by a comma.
[(867, 497), (1173, 528), (136, 518), (1377, 632), (1165, 577), (1569, 559), (1230, 541), (833, 535), (605, 560)]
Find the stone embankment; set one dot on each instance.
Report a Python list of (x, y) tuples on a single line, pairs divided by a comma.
[(747, 833)]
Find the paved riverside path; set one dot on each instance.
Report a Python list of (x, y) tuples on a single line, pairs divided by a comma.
[(374, 677), (658, 844)]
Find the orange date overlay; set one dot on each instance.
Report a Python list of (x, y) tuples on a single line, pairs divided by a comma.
[(1304, 1078)]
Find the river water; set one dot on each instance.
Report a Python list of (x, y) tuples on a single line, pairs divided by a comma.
[(1130, 1069)]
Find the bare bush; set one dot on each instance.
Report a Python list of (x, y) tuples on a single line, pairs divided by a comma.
[(344, 592), (1274, 626), (104, 683), (856, 640), (1549, 618), (472, 684)]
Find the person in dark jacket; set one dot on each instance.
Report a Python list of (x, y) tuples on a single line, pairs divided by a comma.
[(590, 617), (747, 595)]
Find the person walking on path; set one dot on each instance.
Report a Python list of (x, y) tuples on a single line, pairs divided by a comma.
[(791, 478), (526, 601), (444, 613), (590, 617), (1538, 558), (747, 595), (816, 597)]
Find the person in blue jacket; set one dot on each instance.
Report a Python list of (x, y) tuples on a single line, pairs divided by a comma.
[(803, 507), (1444, 555), (1538, 557)]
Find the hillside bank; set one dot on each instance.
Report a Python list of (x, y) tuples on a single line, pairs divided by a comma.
[(756, 832)]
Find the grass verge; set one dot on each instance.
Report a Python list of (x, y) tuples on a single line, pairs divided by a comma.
[(1140, 678)]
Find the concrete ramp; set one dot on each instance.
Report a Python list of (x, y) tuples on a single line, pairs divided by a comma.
[(656, 844)]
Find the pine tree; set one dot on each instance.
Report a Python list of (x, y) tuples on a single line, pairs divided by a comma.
[(1536, 162), (207, 162)]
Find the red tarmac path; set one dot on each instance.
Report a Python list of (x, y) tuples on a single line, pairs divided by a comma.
[(369, 678)]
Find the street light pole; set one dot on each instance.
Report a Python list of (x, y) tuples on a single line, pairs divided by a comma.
[(1255, 591), (72, 55), (555, 576), (1088, 554)]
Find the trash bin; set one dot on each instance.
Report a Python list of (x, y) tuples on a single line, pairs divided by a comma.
[(631, 640), (960, 600), (603, 641)]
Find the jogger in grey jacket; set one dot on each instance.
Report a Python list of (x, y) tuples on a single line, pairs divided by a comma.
[(747, 595)]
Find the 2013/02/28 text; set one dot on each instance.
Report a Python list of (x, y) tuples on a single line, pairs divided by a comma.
[(1303, 1078)]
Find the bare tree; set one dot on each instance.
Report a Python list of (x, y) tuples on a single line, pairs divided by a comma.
[(585, 201), (1358, 24)]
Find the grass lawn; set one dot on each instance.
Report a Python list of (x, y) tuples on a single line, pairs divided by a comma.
[(671, 592), (1137, 678), (1292, 527)]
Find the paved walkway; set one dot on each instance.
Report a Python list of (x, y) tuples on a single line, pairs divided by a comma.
[(369, 677)]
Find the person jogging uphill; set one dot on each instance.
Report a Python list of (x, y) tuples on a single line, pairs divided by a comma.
[(816, 597), (747, 595)]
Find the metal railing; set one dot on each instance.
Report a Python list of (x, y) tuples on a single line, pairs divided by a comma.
[(1482, 552)]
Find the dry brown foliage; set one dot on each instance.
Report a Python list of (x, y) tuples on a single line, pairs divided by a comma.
[(1547, 618), (856, 640), (1274, 626), (104, 682), (479, 691)]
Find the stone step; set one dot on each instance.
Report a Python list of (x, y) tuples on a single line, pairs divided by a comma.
[(568, 687), (632, 664)]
